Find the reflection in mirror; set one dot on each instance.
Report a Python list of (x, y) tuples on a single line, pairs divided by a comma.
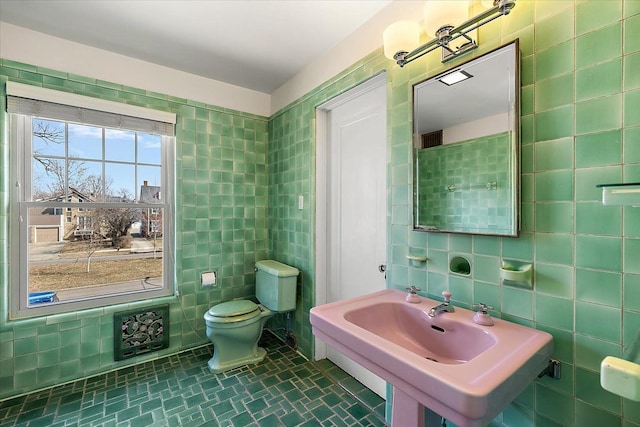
[(466, 131)]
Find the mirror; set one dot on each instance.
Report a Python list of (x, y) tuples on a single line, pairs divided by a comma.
[(466, 147)]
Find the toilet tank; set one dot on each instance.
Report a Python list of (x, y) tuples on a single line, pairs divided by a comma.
[(276, 285)]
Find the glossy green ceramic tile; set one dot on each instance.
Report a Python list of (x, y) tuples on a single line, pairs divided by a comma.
[(555, 61), (588, 390), (517, 302), (486, 245), (460, 243), (631, 221), (554, 186), (591, 15), (599, 149), (527, 70), (554, 217), (631, 251), (554, 311), (631, 31), (527, 127), (555, 280), (600, 287), (600, 80), (599, 46), (554, 124), (520, 248), (631, 76), (555, 248), (599, 252), (599, 321), (526, 100), (554, 405), (630, 330), (487, 293), (596, 218), (631, 108), (599, 114), (554, 92), (555, 29), (486, 268), (552, 155), (588, 179)]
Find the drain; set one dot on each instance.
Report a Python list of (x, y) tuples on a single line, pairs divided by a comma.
[(432, 359)]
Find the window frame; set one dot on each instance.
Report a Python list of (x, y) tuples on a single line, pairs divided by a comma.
[(21, 137)]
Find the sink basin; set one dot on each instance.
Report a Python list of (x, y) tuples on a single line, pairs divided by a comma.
[(465, 372), (440, 339)]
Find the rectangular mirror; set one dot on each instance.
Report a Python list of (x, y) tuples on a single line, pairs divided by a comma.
[(466, 124)]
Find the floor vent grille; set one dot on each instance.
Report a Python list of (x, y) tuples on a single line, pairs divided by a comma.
[(140, 331)]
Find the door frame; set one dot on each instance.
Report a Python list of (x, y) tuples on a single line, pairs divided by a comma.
[(322, 148)]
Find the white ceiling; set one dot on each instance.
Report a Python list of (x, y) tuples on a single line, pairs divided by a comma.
[(255, 44)]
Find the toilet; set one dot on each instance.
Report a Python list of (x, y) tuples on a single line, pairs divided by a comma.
[(235, 327)]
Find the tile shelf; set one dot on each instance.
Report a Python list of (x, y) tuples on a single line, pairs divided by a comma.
[(621, 194)]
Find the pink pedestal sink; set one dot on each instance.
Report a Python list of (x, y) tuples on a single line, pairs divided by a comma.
[(463, 371)]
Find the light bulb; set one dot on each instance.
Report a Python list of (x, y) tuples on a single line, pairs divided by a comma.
[(401, 36)]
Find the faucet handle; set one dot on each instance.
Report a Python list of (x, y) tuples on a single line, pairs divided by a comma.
[(483, 308), (413, 289), (447, 296)]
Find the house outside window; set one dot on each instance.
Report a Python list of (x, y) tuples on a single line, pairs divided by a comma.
[(80, 163)]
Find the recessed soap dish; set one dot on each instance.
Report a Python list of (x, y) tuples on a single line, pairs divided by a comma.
[(517, 273)]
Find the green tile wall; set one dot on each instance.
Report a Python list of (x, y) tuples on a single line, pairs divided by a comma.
[(579, 127), (239, 177), (221, 224)]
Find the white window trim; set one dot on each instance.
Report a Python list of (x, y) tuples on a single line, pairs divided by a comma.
[(21, 130)]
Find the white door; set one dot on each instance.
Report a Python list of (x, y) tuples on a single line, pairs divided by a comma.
[(354, 226)]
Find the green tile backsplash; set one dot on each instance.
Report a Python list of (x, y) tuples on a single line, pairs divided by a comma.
[(239, 177)]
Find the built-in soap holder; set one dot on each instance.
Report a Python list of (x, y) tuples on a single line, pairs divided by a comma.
[(459, 265), (416, 260), (517, 273)]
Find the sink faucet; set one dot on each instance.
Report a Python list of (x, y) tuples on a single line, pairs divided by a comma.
[(445, 306)]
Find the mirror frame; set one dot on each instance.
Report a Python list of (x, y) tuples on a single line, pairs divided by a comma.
[(514, 145)]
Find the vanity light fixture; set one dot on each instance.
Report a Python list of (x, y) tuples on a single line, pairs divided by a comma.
[(401, 40), (455, 77)]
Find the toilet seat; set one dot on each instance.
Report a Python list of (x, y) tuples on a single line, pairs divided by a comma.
[(233, 311)]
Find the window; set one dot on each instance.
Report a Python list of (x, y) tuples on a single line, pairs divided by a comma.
[(94, 165)]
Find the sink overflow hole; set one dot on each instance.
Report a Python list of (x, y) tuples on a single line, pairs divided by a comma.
[(432, 359), (437, 328)]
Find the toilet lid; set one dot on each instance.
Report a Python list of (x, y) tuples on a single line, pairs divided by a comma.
[(233, 308)]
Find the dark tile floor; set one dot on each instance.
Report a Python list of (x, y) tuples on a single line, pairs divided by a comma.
[(284, 390)]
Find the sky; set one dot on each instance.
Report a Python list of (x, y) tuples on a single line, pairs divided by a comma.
[(119, 153)]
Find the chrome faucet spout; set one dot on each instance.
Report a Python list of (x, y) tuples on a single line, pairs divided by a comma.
[(444, 307)]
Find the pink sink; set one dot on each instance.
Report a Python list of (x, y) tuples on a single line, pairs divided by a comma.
[(465, 372)]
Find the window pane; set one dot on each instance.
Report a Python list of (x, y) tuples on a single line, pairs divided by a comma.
[(47, 177), (101, 252), (120, 145), (85, 141), (122, 180), (149, 148), (86, 177), (48, 138), (149, 175)]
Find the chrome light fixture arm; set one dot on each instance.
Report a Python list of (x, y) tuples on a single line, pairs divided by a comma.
[(447, 33)]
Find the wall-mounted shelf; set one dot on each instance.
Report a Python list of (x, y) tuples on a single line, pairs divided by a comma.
[(621, 194)]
